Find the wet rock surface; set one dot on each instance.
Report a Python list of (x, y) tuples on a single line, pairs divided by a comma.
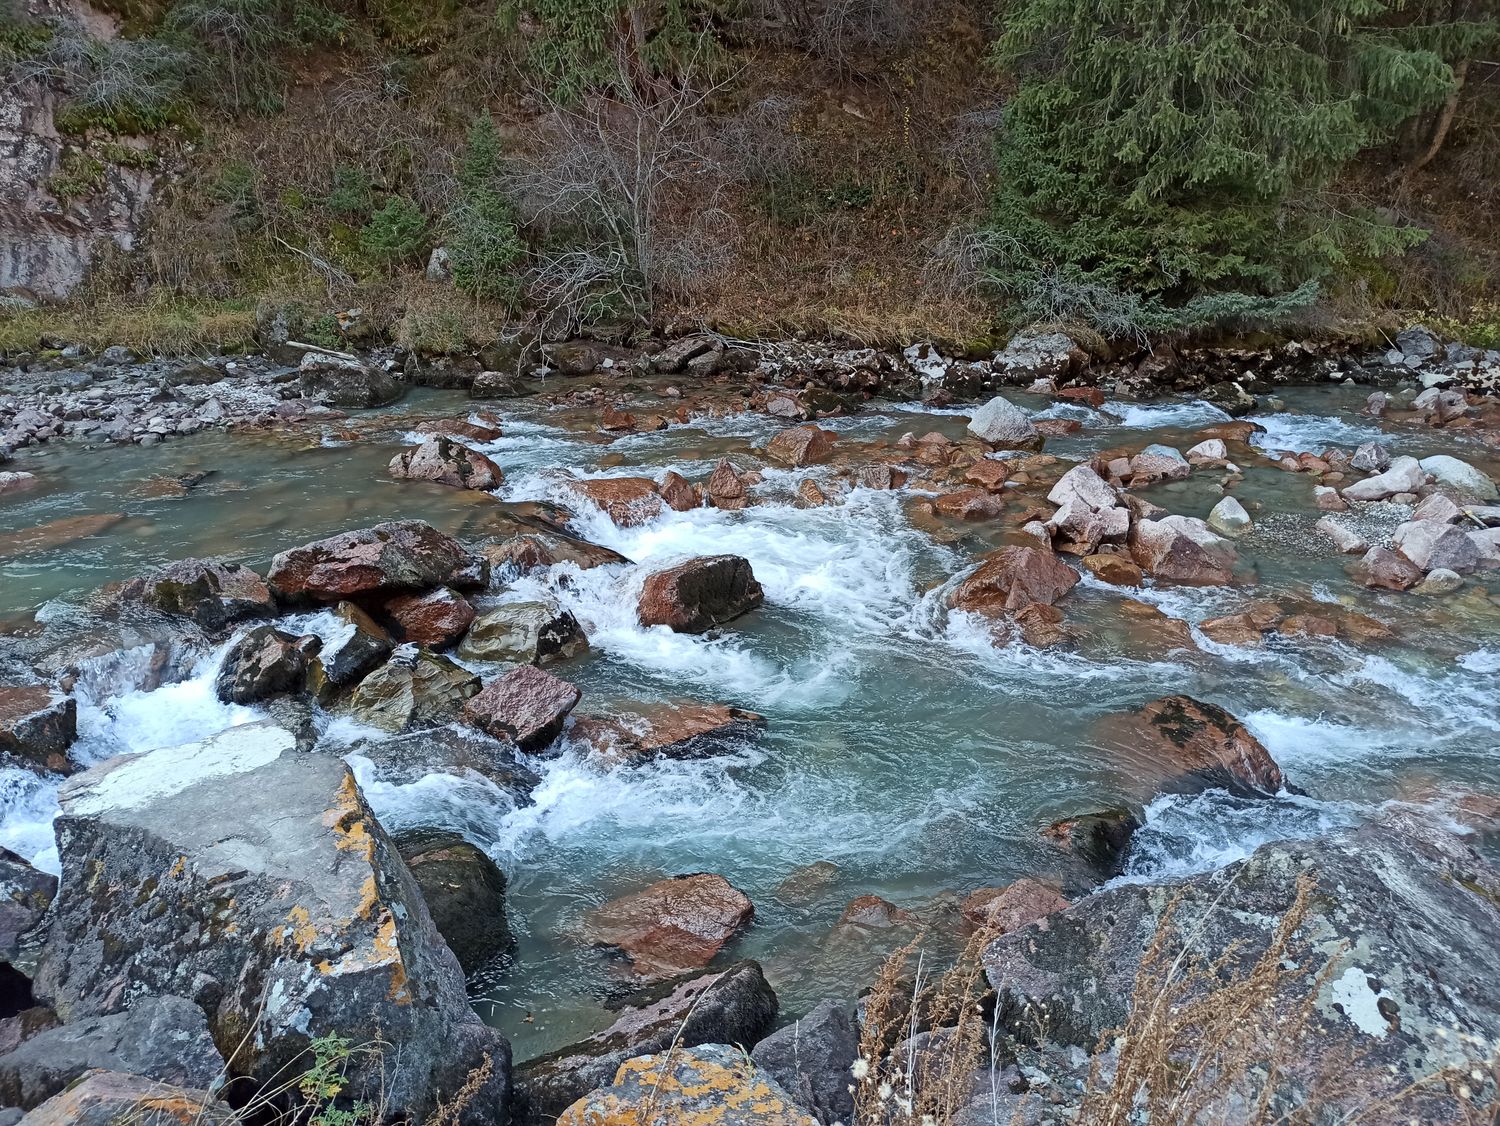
[(695, 596), (526, 706), (386, 559), (212, 595), (465, 894), (37, 726), (674, 925)]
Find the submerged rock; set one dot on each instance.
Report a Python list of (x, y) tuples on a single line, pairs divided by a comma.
[(665, 731), (1396, 950), (702, 593), (710, 1084), (674, 925), (532, 633), (1384, 569), (735, 1006), (213, 595), (415, 688), (443, 461), (526, 706), (465, 894), (252, 880), (161, 1038), (37, 726), (1100, 840), (389, 558)]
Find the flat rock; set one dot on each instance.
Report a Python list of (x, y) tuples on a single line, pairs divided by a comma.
[(683, 730), (109, 1098), (527, 706), (1116, 570), (252, 879), (534, 551), (444, 461), (969, 504), (1009, 908), (696, 596), (389, 558), (1405, 475), (674, 925), (416, 688), (735, 1006), (213, 595)]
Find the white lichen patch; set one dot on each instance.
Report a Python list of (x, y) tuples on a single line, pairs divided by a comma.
[(1361, 1003)]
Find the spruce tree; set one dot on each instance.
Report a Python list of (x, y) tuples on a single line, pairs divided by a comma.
[(1176, 153)]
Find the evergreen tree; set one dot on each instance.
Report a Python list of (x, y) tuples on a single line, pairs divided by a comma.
[(484, 246), (1176, 152)]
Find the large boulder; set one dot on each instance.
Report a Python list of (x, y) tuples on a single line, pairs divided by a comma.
[(37, 726), (465, 894), (1405, 475), (25, 895), (714, 1084), (161, 1038), (535, 551), (531, 633), (1182, 549), (416, 688), (685, 730), (435, 619), (1461, 477), (264, 662), (443, 461), (389, 558), (812, 1059), (726, 489), (628, 501), (801, 445), (1011, 579), (344, 381), (674, 925), (734, 1006), (1395, 952), (109, 1098), (253, 880), (213, 595), (1432, 544), (527, 706), (1004, 425), (696, 596), (1181, 742)]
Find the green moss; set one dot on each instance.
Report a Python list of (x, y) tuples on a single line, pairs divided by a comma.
[(78, 175)]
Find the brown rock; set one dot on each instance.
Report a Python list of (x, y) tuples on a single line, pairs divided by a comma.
[(527, 706), (446, 462), (1383, 569), (1098, 839), (1308, 625), (460, 428), (1231, 431), (1009, 908), (1041, 626), (436, 619), (37, 726), (808, 883), (725, 489), (538, 551), (809, 495), (628, 501), (1113, 569), (1234, 629), (1181, 739), (1182, 550), (617, 420), (988, 473), (1012, 578), (674, 925), (665, 731), (214, 595), (801, 445), (874, 913), (678, 493), (695, 596), (1056, 427), (882, 477), (969, 504), (108, 1098), (386, 559)]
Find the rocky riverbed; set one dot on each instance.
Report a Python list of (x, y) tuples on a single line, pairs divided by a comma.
[(546, 736)]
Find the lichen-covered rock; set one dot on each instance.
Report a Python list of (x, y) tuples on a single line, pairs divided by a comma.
[(37, 726), (25, 894), (109, 1098), (443, 461), (735, 1006), (526, 706), (253, 880), (713, 1085), (1009, 908), (465, 894), (1003, 424), (695, 596), (811, 1059), (414, 689), (531, 633), (265, 662), (674, 925), (389, 558), (1397, 947), (213, 595), (161, 1038)]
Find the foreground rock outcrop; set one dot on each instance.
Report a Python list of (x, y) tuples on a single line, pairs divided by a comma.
[(252, 880)]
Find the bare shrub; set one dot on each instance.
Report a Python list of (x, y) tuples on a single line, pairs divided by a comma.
[(841, 31), (960, 261), (111, 76), (762, 141)]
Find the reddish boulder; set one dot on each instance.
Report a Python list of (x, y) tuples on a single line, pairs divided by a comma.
[(527, 706), (540, 550), (801, 445), (695, 596), (1183, 550), (628, 501), (460, 428), (665, 731), (988, 473), (1385, 570), (969, 504), (1041, 626), (881, 477), (678, 493), (37, 726), (1009, 908), (1012, 578), (616, 420), (674, 925), (1098, 839), (726, 490), (386, 559), (1088, 396), (435, 620), (809, 495), (1113, 569), (1184, 741), (443, 461)]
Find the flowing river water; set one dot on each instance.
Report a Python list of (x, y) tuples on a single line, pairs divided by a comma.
[(903, 745)]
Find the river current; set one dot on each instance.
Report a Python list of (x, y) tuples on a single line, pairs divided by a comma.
[(903, 745)]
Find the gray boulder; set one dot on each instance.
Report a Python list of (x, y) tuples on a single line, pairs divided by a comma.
[(735, 1006), (531, 633), (254, 881), (213, 595), (25, 895), (1461, 476), (162, 1038), (354, 646), (265, 662), (416, 688), (341, 380), (1001, 423), (1397, 946), (811, 1059)]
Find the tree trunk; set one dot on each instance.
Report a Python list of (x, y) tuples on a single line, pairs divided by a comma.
[(1444, 121)]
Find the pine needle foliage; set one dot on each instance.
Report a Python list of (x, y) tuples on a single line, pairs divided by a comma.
[(1180, 151), (484, 246)]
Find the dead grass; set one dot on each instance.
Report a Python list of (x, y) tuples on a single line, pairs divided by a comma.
[(164, 326)]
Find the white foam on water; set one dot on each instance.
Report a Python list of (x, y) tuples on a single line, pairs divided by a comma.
[(1311, 433), (469, 803), (29, 802), (1481, 660), (1157, 416), (1452, 703)]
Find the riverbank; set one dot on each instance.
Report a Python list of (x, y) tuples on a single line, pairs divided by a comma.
[(965, 645)]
